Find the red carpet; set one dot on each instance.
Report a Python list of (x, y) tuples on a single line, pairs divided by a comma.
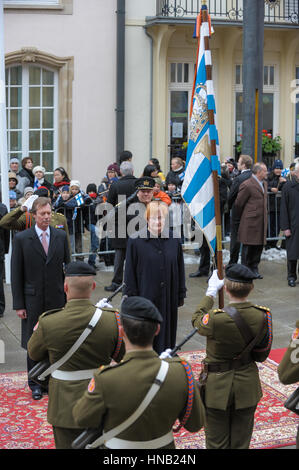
[(23, 422), (277, 354)]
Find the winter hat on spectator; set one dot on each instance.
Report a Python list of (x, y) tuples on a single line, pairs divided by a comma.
[(12, 195), (39, 168), (75, 183), (42, 191), (158, 181), (278, 164), (114, 167), (14, 160), (65, 188), (91, 188), (29, 189), (12, 176)]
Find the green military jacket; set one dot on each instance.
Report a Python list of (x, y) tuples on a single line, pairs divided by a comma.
[(116, 392), (53, 336), (288, 369), (19, 220), (224, 342)]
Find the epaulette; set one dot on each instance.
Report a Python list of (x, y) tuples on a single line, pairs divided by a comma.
[(218, 310), (58, 213), (175, 358), (103, 369), (110, 309), (49, 312), (266, 309)]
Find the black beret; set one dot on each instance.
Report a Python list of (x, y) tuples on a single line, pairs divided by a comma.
[(79, 268), (239, 273), (146, 182), (140, 308)]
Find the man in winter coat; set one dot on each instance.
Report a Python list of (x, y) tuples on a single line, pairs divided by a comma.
[(251, 207), (244, 166), (120, 190), (37, 277)]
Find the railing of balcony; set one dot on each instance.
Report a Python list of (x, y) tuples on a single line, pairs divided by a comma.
[(280, 11)]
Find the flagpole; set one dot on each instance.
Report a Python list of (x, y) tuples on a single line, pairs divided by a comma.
[(211, 117)]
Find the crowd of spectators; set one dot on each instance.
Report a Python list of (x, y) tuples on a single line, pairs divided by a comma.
[(79, 204)]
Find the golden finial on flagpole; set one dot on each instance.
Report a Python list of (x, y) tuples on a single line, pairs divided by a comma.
[(204, 2)]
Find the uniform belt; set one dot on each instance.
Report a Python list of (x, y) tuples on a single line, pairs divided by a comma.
[(116, 443), (234, 364), (73, 375)]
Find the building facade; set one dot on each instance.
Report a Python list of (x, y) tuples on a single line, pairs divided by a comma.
[(174, 59), (60, 58), (61, 79)]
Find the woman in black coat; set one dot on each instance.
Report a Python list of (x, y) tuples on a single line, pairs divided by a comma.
[(154, 269), (26, 171)]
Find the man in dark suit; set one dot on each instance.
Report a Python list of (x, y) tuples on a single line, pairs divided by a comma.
[(4, 247), (123, 188), (37, 276), (251, 207), (244, 166), (289, 217)]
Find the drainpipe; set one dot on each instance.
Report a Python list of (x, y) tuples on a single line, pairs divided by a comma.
[(151, 95), (120, 78)]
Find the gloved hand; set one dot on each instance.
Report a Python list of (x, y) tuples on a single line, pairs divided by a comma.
[(214, 285), (103, 303), (165, 354), (27, 206)]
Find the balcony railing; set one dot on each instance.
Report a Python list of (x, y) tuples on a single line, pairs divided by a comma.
[(283, 11)]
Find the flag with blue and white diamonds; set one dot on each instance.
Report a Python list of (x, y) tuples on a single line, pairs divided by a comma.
[(198, 187)]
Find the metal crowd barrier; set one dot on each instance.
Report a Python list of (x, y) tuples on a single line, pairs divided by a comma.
[(85, 242)]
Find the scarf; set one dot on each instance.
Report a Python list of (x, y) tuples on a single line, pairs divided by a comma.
[(37, 183)]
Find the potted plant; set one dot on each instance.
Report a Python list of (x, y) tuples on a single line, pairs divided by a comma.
[(270, 145)]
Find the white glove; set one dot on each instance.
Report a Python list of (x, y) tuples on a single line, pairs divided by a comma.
[(215, 284), (103, 303), (165, 354), (29, 202)]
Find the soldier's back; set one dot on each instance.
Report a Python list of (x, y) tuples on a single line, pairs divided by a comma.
[(117, 391)]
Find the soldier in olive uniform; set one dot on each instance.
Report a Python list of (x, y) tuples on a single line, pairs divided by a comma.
[(288, 369), (21, 218), (115, 393), (54, 335), (233, 389)]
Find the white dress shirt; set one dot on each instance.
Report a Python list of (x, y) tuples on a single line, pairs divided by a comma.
[(40, 232)]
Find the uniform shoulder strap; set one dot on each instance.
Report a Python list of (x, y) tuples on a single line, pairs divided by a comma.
[(91, 325), (245, 331), (158, 381), (240, 322), (49, 312), (260, 307)]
